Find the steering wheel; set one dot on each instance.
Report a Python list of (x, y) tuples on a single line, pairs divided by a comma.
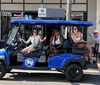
[(21, 43), (17, 44)]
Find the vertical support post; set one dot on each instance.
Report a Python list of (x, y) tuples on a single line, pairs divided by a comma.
[(68, 15), (42, 4), (0, 25), (68, 9)]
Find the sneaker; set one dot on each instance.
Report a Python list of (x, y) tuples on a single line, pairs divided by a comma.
[(91, 61)]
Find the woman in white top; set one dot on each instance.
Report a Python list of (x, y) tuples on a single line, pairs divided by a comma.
[(35, 39), (78, 37), (56, 43)]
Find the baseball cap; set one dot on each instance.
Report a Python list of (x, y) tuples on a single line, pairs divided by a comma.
[(95, 31)]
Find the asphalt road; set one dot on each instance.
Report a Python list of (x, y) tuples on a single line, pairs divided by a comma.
[(49, 78)]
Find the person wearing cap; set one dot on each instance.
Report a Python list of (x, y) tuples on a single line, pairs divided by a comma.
[(95, 36), (56, 42), (96, 39)]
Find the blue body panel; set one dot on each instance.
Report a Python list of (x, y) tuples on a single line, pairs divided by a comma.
[(60, 22), (29, 62), (6, 54), (57, 61), (60, 60), (2, 52)]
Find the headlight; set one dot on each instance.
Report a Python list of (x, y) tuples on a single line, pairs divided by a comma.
[(2, 56)]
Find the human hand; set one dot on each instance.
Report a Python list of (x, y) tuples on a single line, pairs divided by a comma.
[(55, 50), (21, 39), (92, 42), (82, 40), (45, 38), (98, 42)]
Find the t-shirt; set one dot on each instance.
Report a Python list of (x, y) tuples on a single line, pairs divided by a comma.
[(97, 39), (35, 39)]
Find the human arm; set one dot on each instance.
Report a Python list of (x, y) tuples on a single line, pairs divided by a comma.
[(51, 43), (26, 42), (73, 38), (41, 40), (88, 31), (98, 42), (81, 36), (92, 42)]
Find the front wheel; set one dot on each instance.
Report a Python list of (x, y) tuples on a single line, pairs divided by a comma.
[(74, 72), (2, 71)]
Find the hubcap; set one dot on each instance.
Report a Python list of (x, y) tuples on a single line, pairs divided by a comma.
[(74, 73)]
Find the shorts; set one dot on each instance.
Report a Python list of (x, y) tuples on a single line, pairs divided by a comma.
[(32, 47)]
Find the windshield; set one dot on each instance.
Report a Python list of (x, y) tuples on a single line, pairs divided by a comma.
[(13, 34)]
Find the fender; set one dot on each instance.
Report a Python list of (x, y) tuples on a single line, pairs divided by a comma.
[(79, 62), (3, 62), (3, 57)]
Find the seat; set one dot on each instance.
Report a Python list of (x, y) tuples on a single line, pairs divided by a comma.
[(75, 49), (35, 53)]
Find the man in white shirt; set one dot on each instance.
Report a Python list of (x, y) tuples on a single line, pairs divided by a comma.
[(96, 38)]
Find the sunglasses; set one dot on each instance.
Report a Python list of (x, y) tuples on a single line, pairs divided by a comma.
[(75, 29), (35, 32), (55, 31)]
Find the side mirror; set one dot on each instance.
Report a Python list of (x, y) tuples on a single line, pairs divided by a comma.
[(2, 44)]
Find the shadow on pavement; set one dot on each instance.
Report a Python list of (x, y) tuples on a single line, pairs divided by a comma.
[(51, 77)]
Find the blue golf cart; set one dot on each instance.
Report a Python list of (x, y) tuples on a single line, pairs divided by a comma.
[(70, 60)]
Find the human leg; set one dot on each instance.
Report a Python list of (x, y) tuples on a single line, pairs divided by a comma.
[(90, 53), (25, 50), (47, 53)]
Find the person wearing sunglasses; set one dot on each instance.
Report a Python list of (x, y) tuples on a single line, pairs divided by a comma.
[(35, 39), (77, 36), (56, 42)]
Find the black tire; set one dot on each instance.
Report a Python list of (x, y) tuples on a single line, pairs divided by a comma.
[(2, 71), (73, 73)]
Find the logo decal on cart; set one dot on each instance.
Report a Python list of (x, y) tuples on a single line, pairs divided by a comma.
[(29, 62)]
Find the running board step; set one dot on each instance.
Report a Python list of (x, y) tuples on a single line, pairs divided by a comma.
[(94, 66)]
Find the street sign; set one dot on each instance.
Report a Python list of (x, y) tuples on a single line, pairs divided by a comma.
[(51, 13), (42, 12)]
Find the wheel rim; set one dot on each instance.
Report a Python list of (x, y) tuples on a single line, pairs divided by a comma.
[(74, 73)]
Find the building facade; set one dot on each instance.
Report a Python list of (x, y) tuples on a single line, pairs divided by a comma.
[(81, 10)]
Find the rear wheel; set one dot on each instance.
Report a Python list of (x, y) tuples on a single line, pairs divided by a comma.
[(2, 71), (74, 72)]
